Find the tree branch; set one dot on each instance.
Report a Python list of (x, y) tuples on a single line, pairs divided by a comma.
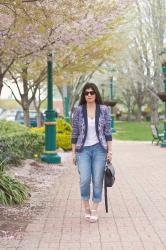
[(8, 66), (16, 82), (17, 100)]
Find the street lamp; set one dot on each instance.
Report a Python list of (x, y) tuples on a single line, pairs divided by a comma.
[(50, 155), (66, 104), (102, 90), (111, 99), (162, 95)]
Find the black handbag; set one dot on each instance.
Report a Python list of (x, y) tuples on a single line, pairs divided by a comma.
[(109, 179)]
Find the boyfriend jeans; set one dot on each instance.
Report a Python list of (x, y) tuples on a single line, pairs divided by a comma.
[(90, 164)]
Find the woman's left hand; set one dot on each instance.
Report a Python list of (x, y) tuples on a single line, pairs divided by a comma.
[(109, 156)]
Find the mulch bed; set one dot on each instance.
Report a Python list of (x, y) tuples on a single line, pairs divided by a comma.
[(38, 177)]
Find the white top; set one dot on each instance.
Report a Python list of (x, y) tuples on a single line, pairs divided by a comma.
[(91, 137)]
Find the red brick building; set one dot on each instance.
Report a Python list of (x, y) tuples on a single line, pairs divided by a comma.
[(58, 107)]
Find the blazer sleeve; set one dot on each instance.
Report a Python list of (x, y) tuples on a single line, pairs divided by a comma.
[(75, 126), (108, 130)]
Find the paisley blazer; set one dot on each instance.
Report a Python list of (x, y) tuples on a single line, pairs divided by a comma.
[(80, 125)]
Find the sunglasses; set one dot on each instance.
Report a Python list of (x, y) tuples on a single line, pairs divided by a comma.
[(89, 92)]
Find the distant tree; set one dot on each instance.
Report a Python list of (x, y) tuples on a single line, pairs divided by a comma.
[(149, 39), (23, 77), (39, 98)]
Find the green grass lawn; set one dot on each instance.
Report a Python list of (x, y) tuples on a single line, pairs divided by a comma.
[(134, 131)]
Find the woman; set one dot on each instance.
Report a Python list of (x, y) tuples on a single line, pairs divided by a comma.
[(91, 146)]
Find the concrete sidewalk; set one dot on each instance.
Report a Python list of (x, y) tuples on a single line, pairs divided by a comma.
[(137, 207)]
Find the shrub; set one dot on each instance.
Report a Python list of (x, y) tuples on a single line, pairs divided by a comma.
[(63, 127), (19, 143), (9, 127), (2, 165), (16, 143), (11, 191), (63, 141), (19, 146), (63, 134), (40, 130)]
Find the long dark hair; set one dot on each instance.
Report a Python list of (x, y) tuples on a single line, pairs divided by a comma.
[(90, 85)]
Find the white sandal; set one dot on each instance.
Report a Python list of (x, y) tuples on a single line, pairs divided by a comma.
[(94, 217), (87, 213)]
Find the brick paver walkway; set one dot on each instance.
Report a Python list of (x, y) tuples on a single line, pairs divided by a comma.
[(137, 207)]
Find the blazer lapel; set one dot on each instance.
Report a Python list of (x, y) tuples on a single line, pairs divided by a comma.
[(97, 118), (84, 110)]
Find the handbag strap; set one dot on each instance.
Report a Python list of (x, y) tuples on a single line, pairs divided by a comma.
[(107, 163), (105, 190), (106, 199)]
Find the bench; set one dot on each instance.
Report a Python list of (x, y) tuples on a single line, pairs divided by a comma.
[(156, 135)]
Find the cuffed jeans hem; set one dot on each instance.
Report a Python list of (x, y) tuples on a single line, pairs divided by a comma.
[(96, 200), (85, 198)]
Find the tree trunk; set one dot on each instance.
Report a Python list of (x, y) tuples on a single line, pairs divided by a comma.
[(129, 114), (25, 100), (139, 114), (1, 81), (26, 117), (154, 109), (39, 121)]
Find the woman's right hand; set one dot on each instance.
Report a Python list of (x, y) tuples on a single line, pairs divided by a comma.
[(74, 158)]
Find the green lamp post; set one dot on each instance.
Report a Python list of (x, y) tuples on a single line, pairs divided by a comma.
[(50, 155), (111, 99), (102, 91), (162, 95), (66, 104)]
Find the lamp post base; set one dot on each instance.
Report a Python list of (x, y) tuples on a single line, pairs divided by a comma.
[(51, 158), (163, 144)]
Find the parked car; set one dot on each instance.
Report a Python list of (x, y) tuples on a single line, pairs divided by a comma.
[(1, 110), (32, 118), (161, 117), (11, 116), (8, 115)]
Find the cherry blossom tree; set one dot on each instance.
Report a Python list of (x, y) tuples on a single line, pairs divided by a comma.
[(27, 78), (30, 29)]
